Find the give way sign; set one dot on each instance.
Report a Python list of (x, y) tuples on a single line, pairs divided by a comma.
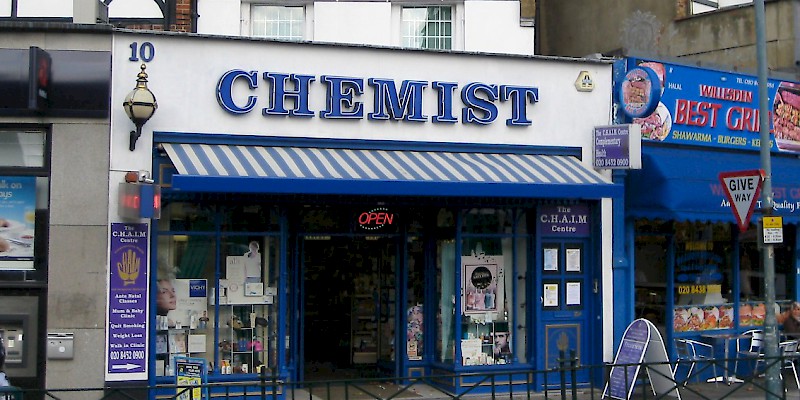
[(742, 189)]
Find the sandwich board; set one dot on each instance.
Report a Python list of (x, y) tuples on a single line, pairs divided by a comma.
[(642, 342)]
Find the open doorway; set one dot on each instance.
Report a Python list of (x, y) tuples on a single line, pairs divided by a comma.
[(349, 310)]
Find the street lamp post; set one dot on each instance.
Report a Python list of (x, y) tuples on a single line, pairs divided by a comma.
[(767, 250)]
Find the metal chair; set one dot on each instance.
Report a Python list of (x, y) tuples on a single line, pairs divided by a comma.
[(692, 352), (750, 345), (789, 354)]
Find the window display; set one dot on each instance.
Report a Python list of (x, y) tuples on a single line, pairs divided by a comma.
[(219, 308)]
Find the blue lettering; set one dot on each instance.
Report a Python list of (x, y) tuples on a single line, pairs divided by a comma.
[(280, 93), (225, 91), (478, 99), (389, 104), (519, 96), (473, 103), (444, 92), (340, 97)]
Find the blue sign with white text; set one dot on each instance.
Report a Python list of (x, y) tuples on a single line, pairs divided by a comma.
[(714, 108)]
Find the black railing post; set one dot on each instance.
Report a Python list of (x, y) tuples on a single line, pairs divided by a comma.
[(573, 361), (562, 374)]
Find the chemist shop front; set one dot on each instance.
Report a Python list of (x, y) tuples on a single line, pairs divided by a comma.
[(382, 213), (695, 272)]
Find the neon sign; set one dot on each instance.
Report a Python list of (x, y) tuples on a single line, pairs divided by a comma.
[(376, 218)]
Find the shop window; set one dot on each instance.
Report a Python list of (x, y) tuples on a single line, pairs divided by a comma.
[(216, 294), (703, 277), (695, 277), (415, 306), (651, 278), (487, 290), (255, 218), (752, 309), (25, 184), (186, 217), (445, 278)]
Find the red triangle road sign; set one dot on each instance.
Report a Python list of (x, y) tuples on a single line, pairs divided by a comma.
[(742, 189)]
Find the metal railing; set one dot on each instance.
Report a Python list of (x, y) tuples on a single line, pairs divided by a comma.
[(558, 383)]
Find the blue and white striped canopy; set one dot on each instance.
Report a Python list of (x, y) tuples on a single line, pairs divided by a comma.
[(278, 169)]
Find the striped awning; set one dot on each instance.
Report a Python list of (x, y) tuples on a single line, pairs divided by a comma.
[(284, 169)]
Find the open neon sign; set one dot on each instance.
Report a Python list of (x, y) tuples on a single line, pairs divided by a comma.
[(376, 218)]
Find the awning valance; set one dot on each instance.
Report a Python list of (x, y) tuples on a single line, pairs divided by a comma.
[(682, 184), (318, 170)]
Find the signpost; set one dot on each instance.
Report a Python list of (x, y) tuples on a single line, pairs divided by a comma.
[(742, 189)]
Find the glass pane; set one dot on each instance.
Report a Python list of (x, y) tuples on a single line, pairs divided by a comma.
[(278, 22), (183, 320), (415, 308), (445, 318), (180, 216), (651, 277), (250, 219), (703, 277), (248, 311), (22, 148), (426, 27)]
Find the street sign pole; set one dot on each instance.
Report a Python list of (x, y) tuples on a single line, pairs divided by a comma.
[(773, 383)]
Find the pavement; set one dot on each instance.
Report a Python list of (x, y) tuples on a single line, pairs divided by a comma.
[(694, 391)]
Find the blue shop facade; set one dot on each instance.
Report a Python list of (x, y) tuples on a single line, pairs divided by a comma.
[(383, 212), (695, 272)]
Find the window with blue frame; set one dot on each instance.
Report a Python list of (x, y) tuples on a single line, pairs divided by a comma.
[(694, 277), (482, 281), (215, 286)]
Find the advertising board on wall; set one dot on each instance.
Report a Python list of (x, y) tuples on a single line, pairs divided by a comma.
[(706, 107), (17, 219)]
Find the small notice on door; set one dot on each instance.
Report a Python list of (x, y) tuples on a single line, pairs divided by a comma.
[(551, 295), (573, 293)]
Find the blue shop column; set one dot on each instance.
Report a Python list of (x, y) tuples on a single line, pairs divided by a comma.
[(622, 274)]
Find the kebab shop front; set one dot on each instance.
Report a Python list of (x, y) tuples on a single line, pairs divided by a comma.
[(696, 272)]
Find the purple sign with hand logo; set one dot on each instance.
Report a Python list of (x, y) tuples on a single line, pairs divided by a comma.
[(127, 303)]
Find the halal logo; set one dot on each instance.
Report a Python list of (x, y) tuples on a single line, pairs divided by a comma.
[(481, 277)]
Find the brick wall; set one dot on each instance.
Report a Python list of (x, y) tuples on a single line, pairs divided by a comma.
[(181, 9)]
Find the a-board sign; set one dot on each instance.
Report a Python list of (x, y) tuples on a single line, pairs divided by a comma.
[(642, 342)]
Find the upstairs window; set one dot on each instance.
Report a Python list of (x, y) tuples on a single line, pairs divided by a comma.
[(704, 6), (278, 22), (428, 27)]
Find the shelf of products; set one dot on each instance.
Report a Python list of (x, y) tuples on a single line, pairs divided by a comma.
[(243, 329), (485, 342), (364, 333), (178, 342)]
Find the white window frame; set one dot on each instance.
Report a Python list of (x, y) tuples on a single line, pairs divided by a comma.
[(247, 25), (455, 25)]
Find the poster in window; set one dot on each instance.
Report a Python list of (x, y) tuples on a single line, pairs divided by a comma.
[(573, 294), (550, 259), (483, 284), (162, 343), (550, 291), (17, 222), (573, 260)]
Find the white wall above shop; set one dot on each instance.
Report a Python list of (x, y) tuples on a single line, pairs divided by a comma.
[(185, 71)]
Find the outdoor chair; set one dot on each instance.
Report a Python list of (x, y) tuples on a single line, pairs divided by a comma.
[(789, 355), (749, 345), (692, 352)]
